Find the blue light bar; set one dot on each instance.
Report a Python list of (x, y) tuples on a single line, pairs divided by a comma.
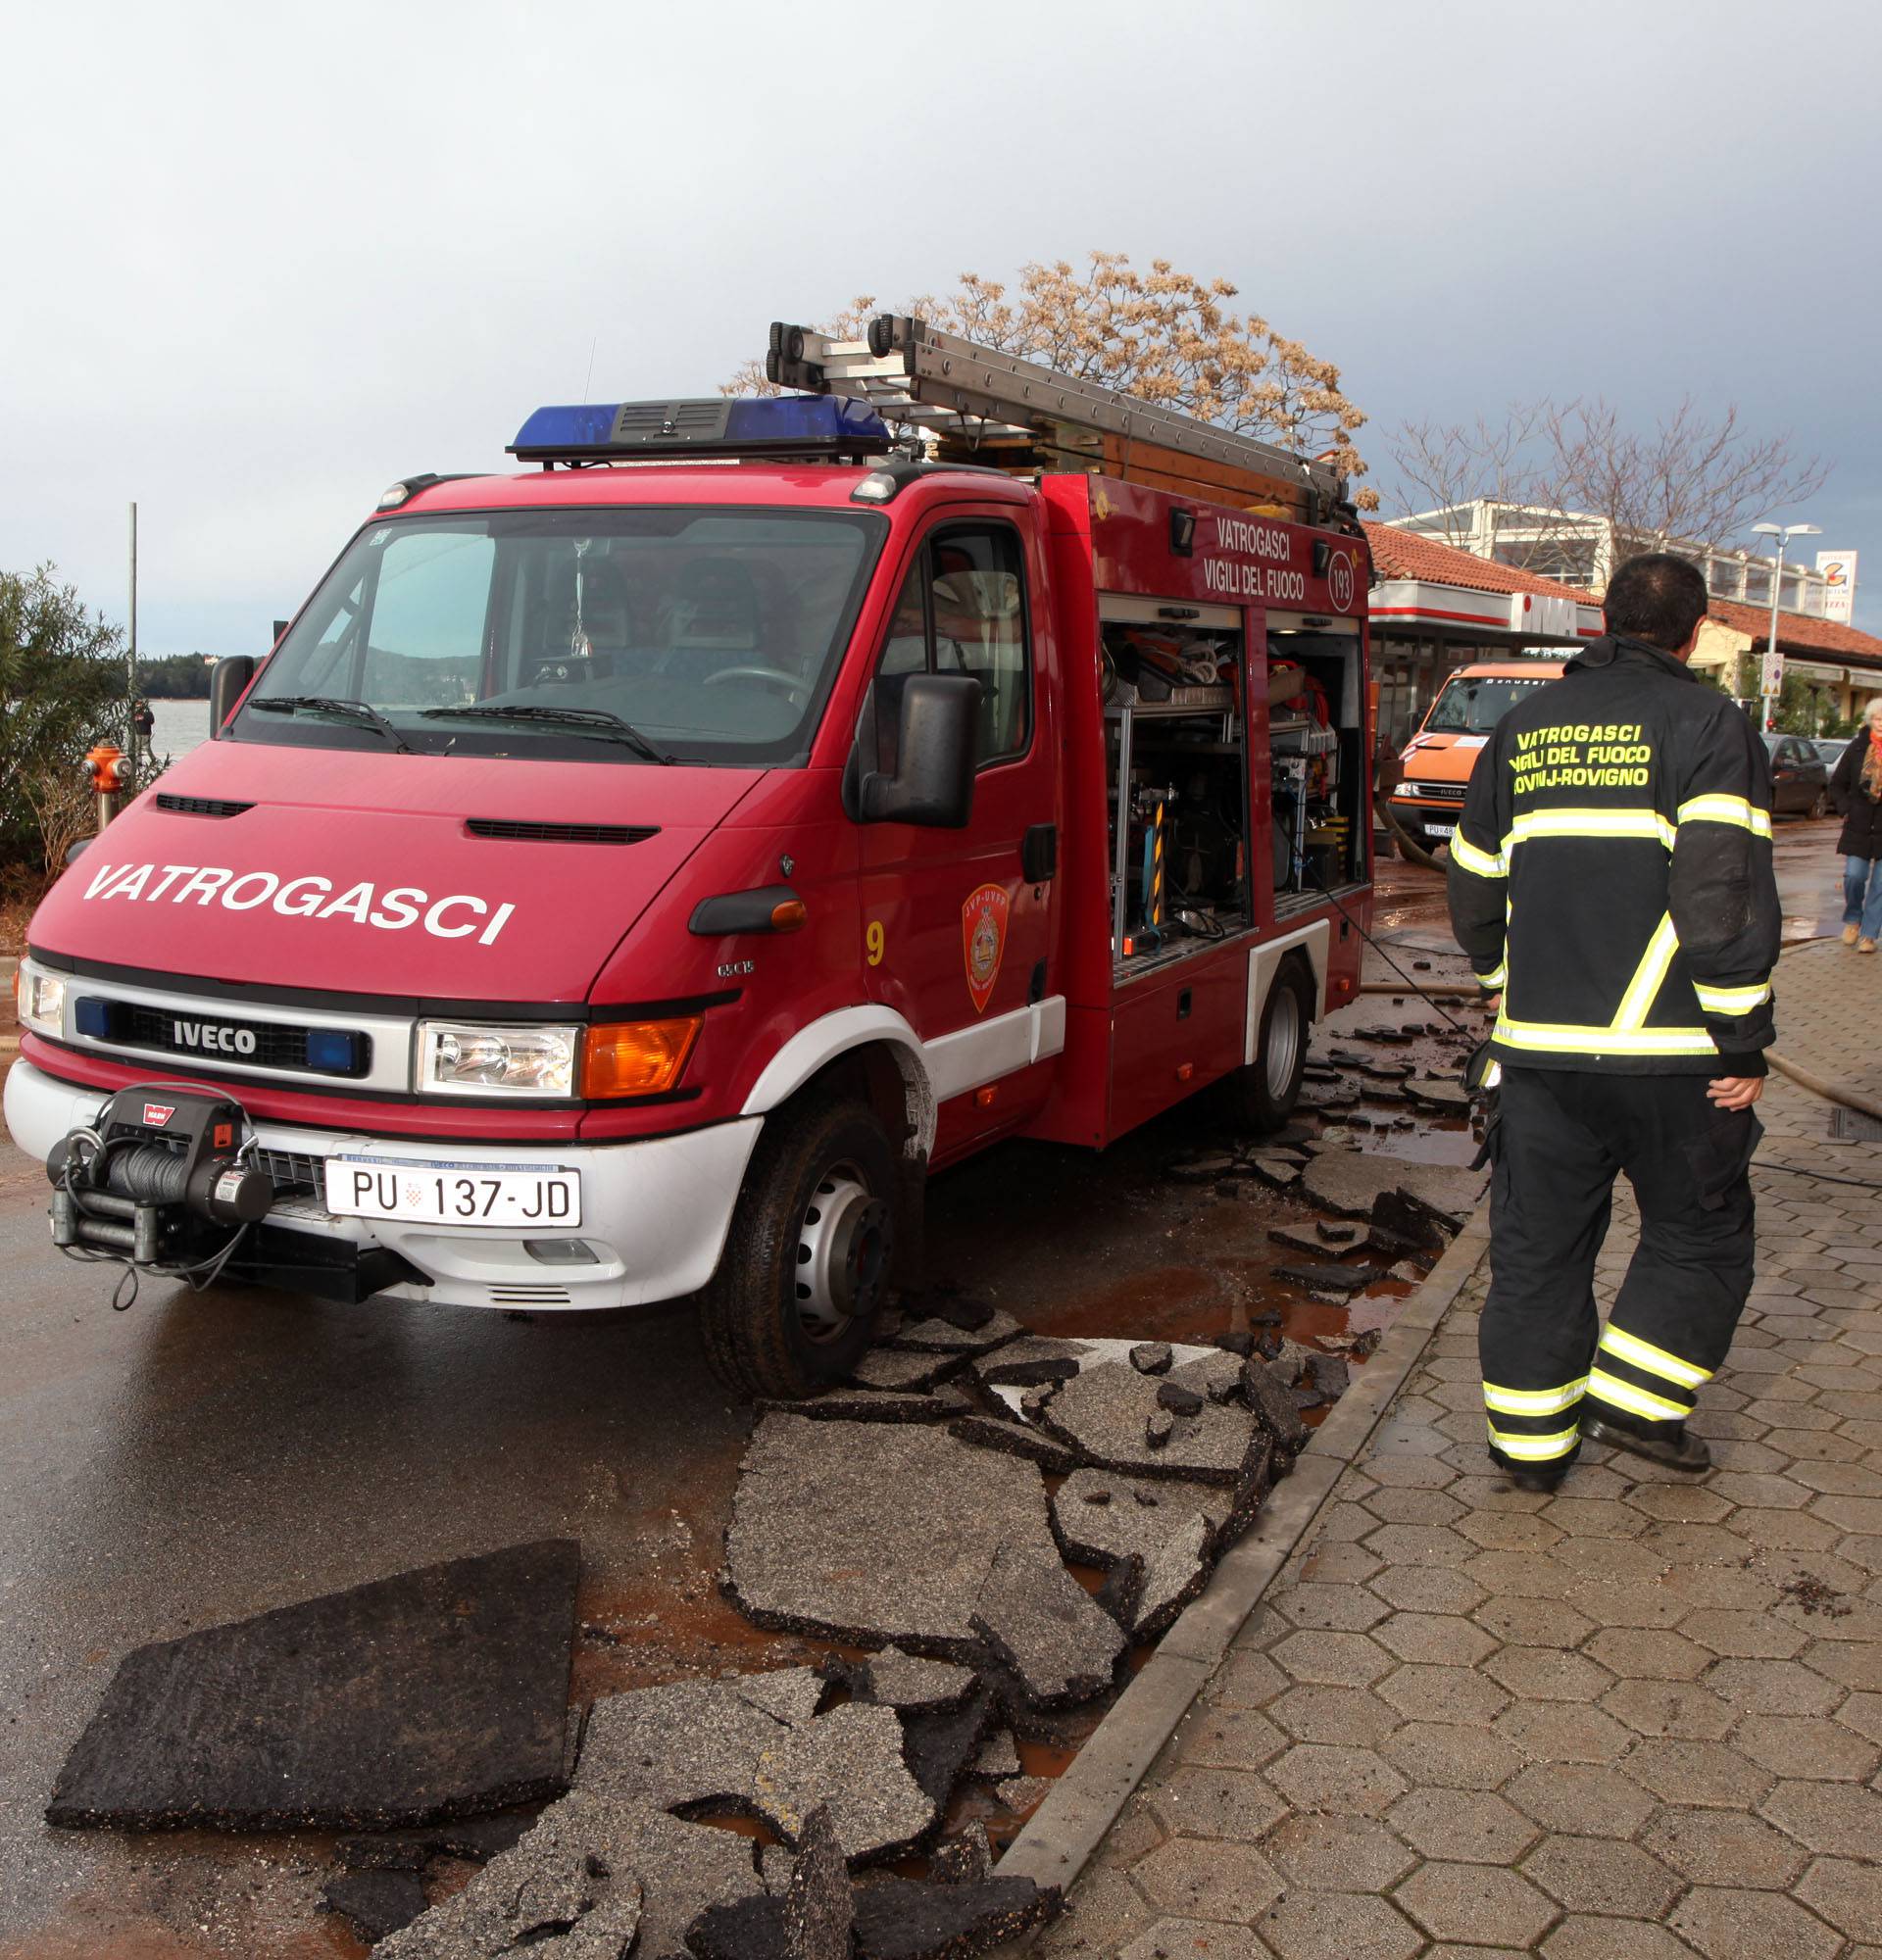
[(821, 426)]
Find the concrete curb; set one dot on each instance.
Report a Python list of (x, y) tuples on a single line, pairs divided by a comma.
[(1066, 1831)]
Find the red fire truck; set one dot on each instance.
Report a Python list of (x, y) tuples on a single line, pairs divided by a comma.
[(630, 878)]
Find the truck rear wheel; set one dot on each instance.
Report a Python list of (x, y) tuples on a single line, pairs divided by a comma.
[(1267, 1090), (794, 1302)]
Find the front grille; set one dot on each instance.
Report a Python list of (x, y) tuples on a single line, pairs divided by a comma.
[(1434, 792), (200, 806), (290, 1170), (560, 833), (278, 1044)]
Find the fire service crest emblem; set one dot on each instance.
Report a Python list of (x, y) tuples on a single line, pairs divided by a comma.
[(983, 940)]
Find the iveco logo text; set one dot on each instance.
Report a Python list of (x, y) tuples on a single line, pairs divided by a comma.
[(454, 916), (206, 1035)]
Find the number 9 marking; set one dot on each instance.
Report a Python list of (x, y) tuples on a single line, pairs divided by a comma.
[(875, 940)]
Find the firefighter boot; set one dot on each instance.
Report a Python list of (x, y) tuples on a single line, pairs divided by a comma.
[(1678, 1449)]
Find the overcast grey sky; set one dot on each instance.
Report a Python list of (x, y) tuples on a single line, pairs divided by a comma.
[(266, 258)]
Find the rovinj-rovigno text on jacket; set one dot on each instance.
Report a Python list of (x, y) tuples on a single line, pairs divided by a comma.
[(1611, 873)]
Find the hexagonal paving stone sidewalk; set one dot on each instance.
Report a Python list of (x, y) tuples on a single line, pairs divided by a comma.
[(1641, 1718)]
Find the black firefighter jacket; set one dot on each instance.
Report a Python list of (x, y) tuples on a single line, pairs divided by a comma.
[(1611, 873)]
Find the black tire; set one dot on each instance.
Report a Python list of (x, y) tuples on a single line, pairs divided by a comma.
[(1269, 1087), (1820, 808), (794, 1302)]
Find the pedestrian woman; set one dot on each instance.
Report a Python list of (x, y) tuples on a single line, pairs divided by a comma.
[(1857, 787)]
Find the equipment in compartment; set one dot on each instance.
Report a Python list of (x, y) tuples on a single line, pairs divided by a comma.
[(1174, 722), (1315, 735)]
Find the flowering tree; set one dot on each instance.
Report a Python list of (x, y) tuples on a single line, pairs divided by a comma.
[(1162, 335)]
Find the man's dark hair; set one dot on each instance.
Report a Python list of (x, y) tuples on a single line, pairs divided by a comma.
[(1658, 598)]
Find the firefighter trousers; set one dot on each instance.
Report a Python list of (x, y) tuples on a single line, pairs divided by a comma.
[(1560, 1140)]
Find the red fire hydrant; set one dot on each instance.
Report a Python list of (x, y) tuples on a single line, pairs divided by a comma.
[(106, 779)]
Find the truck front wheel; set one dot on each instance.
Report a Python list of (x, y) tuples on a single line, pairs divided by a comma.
[(1267, 1090), (794, 1302)]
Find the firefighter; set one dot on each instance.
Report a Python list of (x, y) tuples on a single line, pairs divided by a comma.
[(1611, 883)]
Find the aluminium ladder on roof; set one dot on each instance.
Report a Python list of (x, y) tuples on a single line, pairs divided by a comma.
[(916, 374)]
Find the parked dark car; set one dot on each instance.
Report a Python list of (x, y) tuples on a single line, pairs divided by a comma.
[(1799, 782), (1829, 749)]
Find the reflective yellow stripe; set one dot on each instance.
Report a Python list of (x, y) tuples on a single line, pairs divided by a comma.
[(1648, 976), (1565, 1039), (1645, 822), (1479, 863), (1536, 1448), (1532, 1402), (1655, 1360), (1494, 978), (1636, 1401), (1732, 999), (1720, 809)]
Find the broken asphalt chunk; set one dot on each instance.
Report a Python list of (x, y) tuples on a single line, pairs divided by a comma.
[(1016, 1439), (916, 1686), (905, 1919), (375, 1901), (1337, 1280), (693, 1743), (877, 1534), (1178, 1399), (963, 1860), (819, 1908), (940, 1748), (1272, 1404), (901, 1368), (850, 1760), (1107, 1412), (1170, 1529), (1032, 1361), (856, 1404), (439, 1692), (1151, 1357), (648, 1875), (1348, 1182), (939, 1334), (999, 1755), (1037, 1619)]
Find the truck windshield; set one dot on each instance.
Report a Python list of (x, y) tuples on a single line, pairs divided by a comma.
[(630, 635), (1474, 705)]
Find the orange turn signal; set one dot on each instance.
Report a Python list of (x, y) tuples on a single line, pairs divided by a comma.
[(635, 1057), (788, 916)]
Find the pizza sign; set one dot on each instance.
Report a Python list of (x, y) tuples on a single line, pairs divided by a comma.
[(983, 940)]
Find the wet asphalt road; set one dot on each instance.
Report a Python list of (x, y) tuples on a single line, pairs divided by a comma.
[(201, 1458)]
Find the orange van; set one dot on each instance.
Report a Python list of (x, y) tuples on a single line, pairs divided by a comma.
[(1436, 764)]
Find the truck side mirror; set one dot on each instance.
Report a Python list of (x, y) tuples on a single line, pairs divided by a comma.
[(933, 780), (228, 682)]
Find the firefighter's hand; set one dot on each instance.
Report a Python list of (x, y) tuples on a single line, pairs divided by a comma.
[(1735, 1092)]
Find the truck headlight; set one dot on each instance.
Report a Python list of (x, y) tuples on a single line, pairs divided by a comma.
[(41, 1000), (475, 1058)]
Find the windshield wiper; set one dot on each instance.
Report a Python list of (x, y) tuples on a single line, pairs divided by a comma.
[(598, 721), (362, 711)]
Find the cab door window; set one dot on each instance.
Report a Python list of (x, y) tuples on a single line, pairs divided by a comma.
[(962, 609)]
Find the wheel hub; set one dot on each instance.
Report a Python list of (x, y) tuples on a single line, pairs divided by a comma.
[(1283, 1041), (843, 1246)]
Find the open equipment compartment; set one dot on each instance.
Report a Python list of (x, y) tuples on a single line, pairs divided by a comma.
[(1316, 750), (1174, 677)]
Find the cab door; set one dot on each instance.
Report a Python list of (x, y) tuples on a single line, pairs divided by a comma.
[(958, 924)]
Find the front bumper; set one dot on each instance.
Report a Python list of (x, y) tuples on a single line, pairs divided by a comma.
[(656, 1211)]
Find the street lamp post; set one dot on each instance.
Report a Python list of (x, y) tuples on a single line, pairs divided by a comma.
[(1773, 674)]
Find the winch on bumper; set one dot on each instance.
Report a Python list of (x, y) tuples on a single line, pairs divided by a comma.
[(654, 1213)]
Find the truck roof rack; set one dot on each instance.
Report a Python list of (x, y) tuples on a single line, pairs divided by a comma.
[(973, 404)]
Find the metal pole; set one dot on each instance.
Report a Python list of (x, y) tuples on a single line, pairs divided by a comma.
[(130, 653), (1765, 696)]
